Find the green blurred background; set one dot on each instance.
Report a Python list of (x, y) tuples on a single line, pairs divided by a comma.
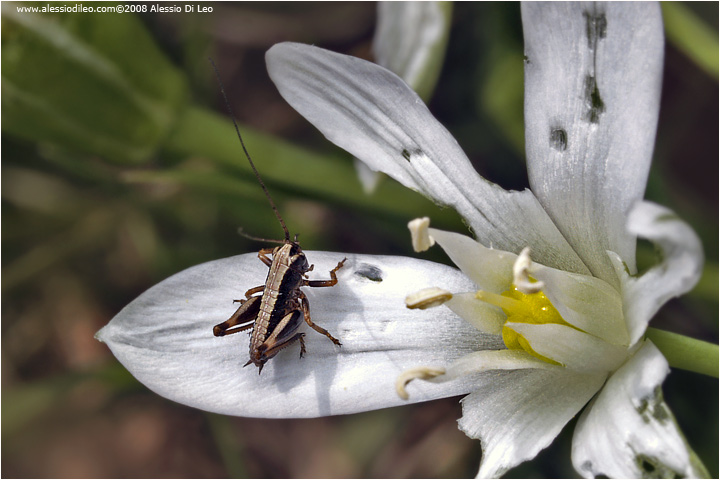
[(120, 168)]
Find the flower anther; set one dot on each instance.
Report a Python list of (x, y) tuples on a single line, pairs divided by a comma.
[(427, 298), (421, 239), (521, 274), (423, 373)]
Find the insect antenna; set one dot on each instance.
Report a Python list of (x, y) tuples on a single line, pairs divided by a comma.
[(257, 175), (241, 232)]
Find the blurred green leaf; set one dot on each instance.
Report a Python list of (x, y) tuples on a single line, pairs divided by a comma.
[(330, 177), (78, 81), (692, 36), (67, 81), (502, 94), (232, 450), (377, 427), (22, 405), (707, 287), (89, 230), (495, 59), (27, 402)]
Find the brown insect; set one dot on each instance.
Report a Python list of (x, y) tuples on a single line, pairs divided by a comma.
[(278, 312)]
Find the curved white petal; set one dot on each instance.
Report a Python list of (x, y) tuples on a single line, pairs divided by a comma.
[(164, 338), (410, 40), (574, 349), (370, 112), (369, 178), (515, 414), (489, 268), (585, 302), (628, 431), (469, 366), (481, 315), (592, 93), (677, 273), (485, 360)]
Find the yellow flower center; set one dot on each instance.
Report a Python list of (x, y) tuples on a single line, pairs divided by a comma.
[(523, 308)]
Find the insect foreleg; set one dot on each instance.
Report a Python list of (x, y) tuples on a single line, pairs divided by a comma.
[(251, 292), (244, 316), (326, 283), (263, 255), (308, 320)]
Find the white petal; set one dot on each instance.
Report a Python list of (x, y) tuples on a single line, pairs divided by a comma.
[(676, 274), (485, 360), (374, 115), (628, 431), (489, 268), (467, 368), (481, 315), (410, 40), (574, 349), (369, 178), (585, 302), (516, 414), (164, 338), (589, 149)]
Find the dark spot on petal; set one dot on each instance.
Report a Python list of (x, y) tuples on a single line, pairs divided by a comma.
[(595, 28), (407, 154), (652, 467), (588, 467), (369, 272), (653, 407), (558, 139), (646, 466), (594, 102), (660, 413), (526, 59)]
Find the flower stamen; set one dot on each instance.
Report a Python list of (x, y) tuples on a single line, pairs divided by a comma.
[(506, 303), (423, 373), (521, 274), (520, 307), (427, 298), (421, 239)]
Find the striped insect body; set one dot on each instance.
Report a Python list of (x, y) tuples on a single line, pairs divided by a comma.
[(276, 310)]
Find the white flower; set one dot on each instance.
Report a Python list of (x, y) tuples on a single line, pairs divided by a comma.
[(592, 95), (567, 334)]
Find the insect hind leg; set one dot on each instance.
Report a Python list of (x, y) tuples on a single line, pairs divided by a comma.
[(244, 316), (298, 337)]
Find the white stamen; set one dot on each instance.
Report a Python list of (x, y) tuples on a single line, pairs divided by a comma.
[(521, 274), (427, 298), (423, 373), (421, 239)]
